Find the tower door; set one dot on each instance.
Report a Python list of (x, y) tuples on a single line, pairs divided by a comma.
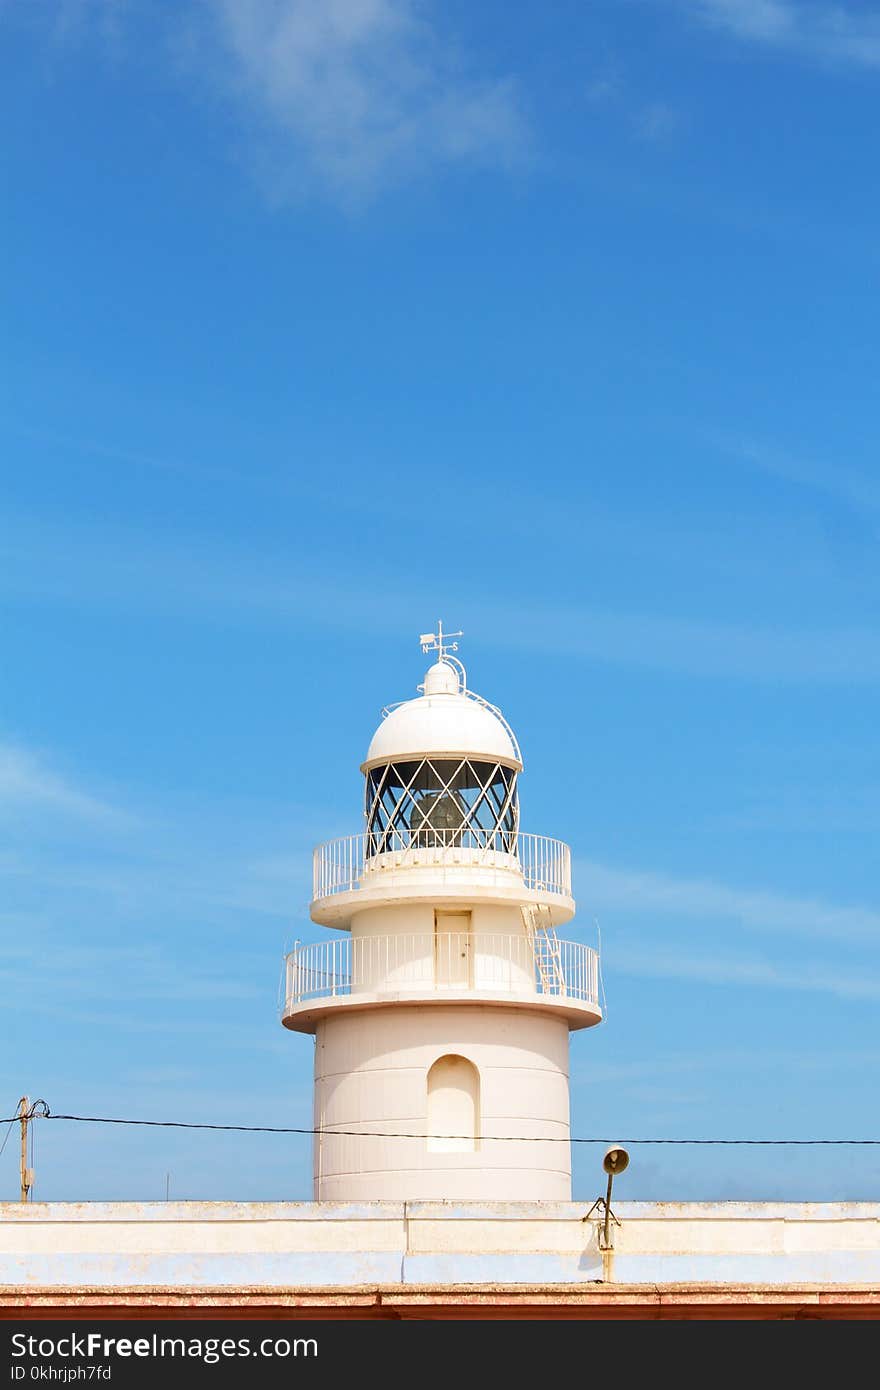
[(452, 949)]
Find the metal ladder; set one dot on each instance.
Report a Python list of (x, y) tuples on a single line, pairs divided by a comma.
[(542, 936)]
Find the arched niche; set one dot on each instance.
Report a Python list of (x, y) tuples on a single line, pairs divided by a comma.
[(453, 1105)]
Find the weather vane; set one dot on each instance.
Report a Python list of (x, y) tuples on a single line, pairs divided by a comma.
[(439, 641)]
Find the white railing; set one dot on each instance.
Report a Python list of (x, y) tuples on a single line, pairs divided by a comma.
[(340, 865), (446, 961)]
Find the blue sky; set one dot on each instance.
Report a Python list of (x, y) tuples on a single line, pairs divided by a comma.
[(327, 319)]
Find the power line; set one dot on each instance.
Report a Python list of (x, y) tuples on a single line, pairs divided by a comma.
[(8, 1132), (495, 1138)]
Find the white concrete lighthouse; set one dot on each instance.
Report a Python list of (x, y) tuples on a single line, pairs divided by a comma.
[(441, 1018)]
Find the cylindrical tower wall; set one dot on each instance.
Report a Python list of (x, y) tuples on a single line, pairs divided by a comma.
[(456, 1077), (474, 945)]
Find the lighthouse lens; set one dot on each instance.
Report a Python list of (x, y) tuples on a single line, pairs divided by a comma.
[(436, 819)]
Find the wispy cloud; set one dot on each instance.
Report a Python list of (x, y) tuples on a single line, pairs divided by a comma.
[(726, 969), (845, 655), (605, 86), (72, 19), (132, 572), (832, 32), (27, 782), (348, 95), (625, 890), (106, 972), (656, 122), (815, 807), (837, 480), (652, 120), (663, 1067), (356, 94)]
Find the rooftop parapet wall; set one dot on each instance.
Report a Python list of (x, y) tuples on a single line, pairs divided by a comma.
[(285, 1244)]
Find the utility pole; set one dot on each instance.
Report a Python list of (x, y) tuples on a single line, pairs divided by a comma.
[(27, 1174), (26, 1113)]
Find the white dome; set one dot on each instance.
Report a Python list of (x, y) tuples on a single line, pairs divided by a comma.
[(441, 679), (438, 724)]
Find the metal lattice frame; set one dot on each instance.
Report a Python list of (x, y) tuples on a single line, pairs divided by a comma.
[(427, 803)]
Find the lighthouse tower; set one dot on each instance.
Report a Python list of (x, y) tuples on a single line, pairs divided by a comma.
[(441, 1013)]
